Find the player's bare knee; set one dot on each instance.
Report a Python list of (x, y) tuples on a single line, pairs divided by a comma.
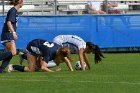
[(32, 70), (14, 53)]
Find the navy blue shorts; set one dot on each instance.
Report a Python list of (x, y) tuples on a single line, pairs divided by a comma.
[(32, 49), (6, 37)]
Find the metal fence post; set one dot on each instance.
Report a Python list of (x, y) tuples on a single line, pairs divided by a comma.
[(55, 7), (3, 7), (106, 3)]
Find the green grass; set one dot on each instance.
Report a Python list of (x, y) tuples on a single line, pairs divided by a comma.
[(118, 73)]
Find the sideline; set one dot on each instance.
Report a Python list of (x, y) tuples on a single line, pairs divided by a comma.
[(36, 80)]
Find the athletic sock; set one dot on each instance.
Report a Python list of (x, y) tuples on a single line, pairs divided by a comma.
[(5, 63), (6, 60), (51, 64), (19, 68), (5, 55)]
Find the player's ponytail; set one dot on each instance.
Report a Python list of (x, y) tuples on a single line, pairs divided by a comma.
[(64, 52), (15, 2), (98, 54), (11, 2), (96, 50)]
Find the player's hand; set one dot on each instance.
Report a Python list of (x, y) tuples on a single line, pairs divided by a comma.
[(15, 36), (58, 69)]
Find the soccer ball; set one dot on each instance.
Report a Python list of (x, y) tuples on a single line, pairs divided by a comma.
[(78, 65)]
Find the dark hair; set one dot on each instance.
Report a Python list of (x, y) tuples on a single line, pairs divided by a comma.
[(96, 50), (15, 2)]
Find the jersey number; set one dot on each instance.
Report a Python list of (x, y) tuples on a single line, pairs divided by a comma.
[(48, 44)]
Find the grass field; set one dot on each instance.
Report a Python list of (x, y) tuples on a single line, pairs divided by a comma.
[(118, 73)]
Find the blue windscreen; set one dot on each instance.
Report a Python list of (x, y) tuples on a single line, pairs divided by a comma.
[(105, 30)]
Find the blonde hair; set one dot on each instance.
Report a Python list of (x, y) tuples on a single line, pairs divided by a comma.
[(64, 51)]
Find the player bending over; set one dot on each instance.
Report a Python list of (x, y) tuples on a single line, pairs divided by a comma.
[(78, 45), (40, 52)]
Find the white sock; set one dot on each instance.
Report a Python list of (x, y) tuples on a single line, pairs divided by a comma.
[(51, 64)]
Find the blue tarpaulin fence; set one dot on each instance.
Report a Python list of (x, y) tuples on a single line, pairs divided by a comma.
[(107, 31)]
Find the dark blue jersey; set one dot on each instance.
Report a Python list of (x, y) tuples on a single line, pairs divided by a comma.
[(12, 16), (44, 48)]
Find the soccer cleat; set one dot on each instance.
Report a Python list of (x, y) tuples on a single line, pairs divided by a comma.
[(20, 53), (10, 68)]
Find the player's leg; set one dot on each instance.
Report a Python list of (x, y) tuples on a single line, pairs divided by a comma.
[(5, 55), (50, 64), (30, 68), (31, 63), (11, 47), (5, 63), (22, 56), (15, 67)]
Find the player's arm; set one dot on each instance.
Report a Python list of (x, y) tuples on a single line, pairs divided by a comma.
[(67, 61), (10, 19), (87, 60), (80, 53), (10, 27), (44, 66), (50, 64)]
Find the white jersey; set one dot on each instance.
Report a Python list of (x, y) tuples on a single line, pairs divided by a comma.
[(74, 42)]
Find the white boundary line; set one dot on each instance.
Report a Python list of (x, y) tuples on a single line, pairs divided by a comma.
[(109, 82), (33, 76)]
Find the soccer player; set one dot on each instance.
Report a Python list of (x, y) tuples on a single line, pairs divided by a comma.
[(78, 45), (8, 35), (40, 52)]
